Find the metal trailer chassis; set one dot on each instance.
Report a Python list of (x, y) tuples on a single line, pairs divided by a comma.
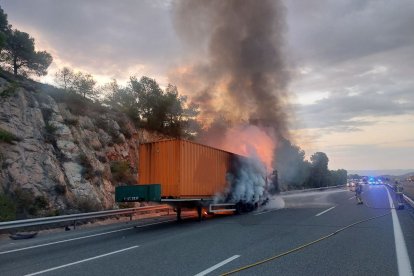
[(198, 203)]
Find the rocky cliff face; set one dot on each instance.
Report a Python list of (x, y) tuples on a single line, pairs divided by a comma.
[(63, 156)]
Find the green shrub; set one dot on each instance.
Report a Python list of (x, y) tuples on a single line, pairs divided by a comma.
[(86, 205), (3, 164), (7, 208), (24, 199), (47, 114), (78, 105), (10, 90), (53, 213), (50, 128), (72, 122), (40, 204), (7, 137), (27, 204), (99, 108), (102, 123), (121, 172), (124, 129), (49, 134)]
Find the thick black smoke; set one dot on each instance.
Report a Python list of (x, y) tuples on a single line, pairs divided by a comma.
[(242, 74), (239, 78)]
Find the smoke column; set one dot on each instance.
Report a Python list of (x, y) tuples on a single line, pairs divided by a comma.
[(237, 75), (241, 76)]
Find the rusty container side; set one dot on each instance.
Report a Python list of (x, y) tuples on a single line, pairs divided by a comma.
[(183, 168), (159, 163), (203, 170)]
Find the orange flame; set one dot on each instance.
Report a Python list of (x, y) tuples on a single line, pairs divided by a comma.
[(250, 141)]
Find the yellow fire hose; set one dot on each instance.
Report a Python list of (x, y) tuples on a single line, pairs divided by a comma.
[(302, 246)]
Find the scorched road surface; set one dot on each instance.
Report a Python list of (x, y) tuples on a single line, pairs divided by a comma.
[(225, 243)]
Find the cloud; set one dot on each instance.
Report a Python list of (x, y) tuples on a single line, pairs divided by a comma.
[(330, 32), (344, 112), (371, 156), (357, 54), (104, 37)]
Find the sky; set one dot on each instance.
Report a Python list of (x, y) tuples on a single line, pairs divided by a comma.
[(350, 63)]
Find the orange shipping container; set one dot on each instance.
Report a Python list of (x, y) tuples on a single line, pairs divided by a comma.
[(184, 169)]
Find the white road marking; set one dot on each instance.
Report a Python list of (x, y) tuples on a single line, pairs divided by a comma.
[(351, 198), (214, 267), (80, 238), (81, 261), (403, 261), (323, 212), (264, 212)]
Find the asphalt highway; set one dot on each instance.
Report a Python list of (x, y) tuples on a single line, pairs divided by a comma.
[(383, 245)]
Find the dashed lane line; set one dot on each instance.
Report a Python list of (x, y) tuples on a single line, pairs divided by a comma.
[(323, 212), (214, 267), (81, 261)]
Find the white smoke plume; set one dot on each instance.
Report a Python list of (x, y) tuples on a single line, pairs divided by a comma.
[(247, 180)]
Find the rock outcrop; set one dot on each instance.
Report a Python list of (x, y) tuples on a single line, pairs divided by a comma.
[(62, 154)]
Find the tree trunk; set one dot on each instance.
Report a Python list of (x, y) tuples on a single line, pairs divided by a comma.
[(65, 83), (15, 65)]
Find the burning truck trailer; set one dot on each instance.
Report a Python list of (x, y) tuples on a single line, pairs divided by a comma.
[(188, 175)]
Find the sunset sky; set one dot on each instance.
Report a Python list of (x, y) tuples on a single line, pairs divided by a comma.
[(351, 64)]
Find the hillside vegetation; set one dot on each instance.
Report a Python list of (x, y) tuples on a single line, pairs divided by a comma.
[(61, 153)]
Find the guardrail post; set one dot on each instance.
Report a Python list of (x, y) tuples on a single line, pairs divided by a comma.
[(74, 225), (130, 217)]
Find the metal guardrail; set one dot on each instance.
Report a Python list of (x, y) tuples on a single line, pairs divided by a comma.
[(77, 217), (409, 200), (312, 189), (406, 197)]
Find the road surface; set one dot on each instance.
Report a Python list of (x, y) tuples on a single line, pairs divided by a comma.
[(226, 243)]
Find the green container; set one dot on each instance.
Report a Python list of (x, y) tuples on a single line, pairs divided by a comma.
[(135, 193), (154, 192)]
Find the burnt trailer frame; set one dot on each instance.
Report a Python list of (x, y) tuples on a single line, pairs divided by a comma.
[(198, 204), (190, 174)]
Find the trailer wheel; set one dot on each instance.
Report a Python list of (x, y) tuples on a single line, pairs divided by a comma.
[(178, 213), (199, 213), (239, 208)]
